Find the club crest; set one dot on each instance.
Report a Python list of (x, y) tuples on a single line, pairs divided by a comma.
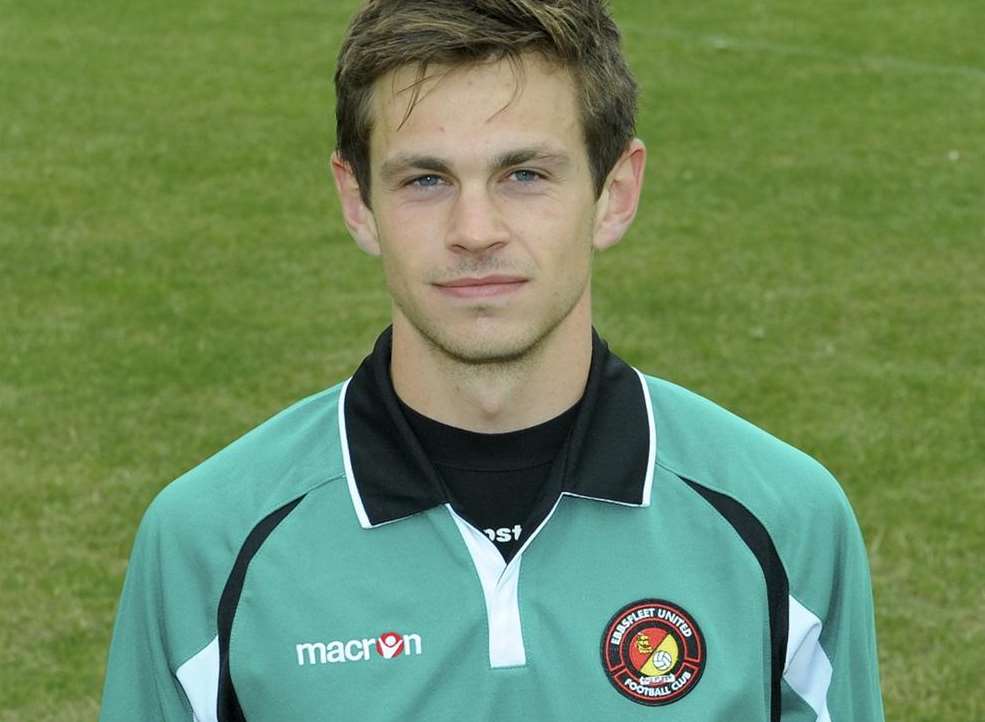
[(653, 652)]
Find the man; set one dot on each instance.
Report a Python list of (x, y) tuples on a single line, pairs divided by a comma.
[(495, 517)]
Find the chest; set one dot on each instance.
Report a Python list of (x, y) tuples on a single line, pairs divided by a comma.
[(618, 614)]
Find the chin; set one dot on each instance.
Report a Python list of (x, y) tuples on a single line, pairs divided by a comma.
[(480, 344), (481, 349)]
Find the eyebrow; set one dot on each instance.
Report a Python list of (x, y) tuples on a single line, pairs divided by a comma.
[(403, 162)]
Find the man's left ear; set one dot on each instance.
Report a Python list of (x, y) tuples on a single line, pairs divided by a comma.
[(620, 197)]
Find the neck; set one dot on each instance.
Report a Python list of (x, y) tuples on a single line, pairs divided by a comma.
[(495, 397)]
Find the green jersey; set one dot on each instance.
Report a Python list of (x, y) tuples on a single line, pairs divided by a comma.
[(688, 567)]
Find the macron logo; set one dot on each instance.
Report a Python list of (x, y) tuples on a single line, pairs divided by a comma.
[(388, 645)]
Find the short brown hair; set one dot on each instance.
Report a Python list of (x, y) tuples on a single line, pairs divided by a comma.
[(578, 35)]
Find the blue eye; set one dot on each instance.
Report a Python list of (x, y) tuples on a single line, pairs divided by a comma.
[(426, 181), (524, 175)]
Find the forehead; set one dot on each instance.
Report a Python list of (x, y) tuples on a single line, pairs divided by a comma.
[(491, 105)]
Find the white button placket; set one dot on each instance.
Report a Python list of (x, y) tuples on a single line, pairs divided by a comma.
[(500, 582)]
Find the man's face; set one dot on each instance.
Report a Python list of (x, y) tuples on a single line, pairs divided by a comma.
[(483, 207)]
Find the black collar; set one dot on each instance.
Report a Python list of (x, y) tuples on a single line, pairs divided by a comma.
[(608, 455)]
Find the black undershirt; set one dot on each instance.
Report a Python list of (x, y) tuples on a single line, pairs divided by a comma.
[(496, 482)]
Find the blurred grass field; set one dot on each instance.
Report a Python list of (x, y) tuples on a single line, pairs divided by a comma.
[(810, 253)]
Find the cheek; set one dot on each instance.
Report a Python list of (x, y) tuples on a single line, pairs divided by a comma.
[(409, 233), (567, 217), (398, 267), (565, 248), (407, 256)]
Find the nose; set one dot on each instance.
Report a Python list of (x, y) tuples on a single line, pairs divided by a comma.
[(477, 223)]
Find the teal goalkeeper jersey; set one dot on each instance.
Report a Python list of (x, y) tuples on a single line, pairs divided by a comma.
[(689, 568)]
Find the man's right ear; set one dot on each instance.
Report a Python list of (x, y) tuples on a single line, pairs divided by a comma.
[(358, 217)]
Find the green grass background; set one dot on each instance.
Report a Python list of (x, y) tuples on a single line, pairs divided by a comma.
[(810, 253)]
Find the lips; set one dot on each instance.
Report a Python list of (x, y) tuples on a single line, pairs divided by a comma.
[(484, 286)]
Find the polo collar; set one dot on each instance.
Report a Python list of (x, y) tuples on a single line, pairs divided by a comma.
[(608, 455)]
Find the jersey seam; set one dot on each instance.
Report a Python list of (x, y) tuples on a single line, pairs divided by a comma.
[(749, 552), (223, 698), (215, 603), (300, 501), (779, 656), (719, 489), (301, 491)]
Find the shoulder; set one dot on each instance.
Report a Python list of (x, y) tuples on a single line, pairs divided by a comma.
[(278, 461), (789, 492), (194, 529)]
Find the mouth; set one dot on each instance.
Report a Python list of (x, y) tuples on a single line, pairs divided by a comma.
[(481, 287)]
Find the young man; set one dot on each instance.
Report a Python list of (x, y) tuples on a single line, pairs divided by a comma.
[(495, 517)]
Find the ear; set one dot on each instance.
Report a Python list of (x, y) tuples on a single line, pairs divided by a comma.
[(620, 197), (358, 217)]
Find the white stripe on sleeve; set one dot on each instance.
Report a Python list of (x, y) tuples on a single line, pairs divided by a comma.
[(808, 669), (199, 677)]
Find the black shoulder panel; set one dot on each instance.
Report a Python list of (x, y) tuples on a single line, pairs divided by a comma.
[(755, 536), (228, 703)]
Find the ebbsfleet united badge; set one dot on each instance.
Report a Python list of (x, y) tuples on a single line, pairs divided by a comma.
[(653, 652)]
